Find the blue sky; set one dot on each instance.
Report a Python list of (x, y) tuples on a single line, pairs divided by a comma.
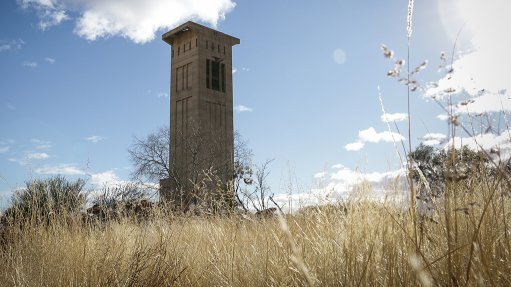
[(80, 79)]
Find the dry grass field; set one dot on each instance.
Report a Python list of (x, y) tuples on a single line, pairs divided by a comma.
[(465, 242)]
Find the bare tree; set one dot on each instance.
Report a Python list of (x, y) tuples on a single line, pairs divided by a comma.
[(150, 156), (257, 191), (243, 170), (153, 161)]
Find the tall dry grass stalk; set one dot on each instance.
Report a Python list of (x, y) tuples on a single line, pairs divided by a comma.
[(359, 243)]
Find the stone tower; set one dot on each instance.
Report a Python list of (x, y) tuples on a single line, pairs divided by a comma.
[(201, 109)]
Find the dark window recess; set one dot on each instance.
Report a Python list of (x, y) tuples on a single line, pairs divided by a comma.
[(207, 72), (184, 48), (196, 42), (222, 74), (172, 53), (215, 75), (224, 50)]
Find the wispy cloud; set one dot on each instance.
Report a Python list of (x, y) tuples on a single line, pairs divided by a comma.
[(50, 12), (5, 145), (135, 20), (397, 117), (37, 155), (234, 70), (29, 64), (242, 109), (62, 169), (30, 157), (162, 95), (10, 106), (41, 144), (50, 60), (337, 166), (320, 175), (12, 45), (94, 139)]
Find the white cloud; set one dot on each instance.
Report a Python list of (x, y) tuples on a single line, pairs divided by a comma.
[(320, 174), (356, 146), (50, 12), (37, 155), (29, 157), (242, 108), (370, 135), (486, 65), (350, 177), (340, 183), (11, 45), (63, 169), (50, 60), (339, 56), (432, 139), (337, 166), (397, 117), (4, 149), (500, 144), (442, 117), (94, 139), (29, 64), (486, 103), (133, 19), (100, 179), (107, 178), (234, 70)]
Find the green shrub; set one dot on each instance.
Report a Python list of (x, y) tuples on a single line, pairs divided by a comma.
[(42, 198)]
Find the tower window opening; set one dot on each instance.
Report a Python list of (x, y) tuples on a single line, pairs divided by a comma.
[(207, 73), (215, 75)]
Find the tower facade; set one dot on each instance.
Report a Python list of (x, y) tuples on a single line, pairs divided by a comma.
[(201, 109)]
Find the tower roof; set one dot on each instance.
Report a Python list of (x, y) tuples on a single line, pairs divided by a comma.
[(171, 35)]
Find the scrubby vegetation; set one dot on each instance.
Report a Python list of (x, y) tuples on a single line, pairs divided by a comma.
[(465, 240)]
